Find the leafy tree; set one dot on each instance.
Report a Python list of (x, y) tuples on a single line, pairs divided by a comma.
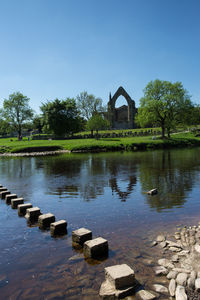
[(61, 117), (16, 111), (89, 105), (38, 123), (97, 122), (164, 104)]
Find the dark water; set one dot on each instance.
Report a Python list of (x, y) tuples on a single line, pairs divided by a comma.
[(102, 192)]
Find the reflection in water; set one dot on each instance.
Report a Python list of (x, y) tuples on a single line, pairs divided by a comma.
[(103, 192), (123, 195)]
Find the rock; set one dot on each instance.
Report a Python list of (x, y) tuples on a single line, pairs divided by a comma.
[(160, 288), (177, 235), (96, 248), (172, 275), (33, 213), (175, 258), (180, 293), (160, 238), (152, 192), (77, 257), (120, 276), (173, 244), (181, 279), (9, 197), (197, 284), (145, 295), (193, 274), (191, 283), (154, 243), (160, 270), (165, 263), (181, 270), (58, 228), (163, 244), (107, 291), (4, 193), (174, 249), (81, 235), (16, 202), (172, 287), (45, 220), (22, 208), (197, 248), (184, 252)]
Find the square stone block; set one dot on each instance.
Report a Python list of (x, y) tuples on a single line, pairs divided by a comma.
[(4, 193), (22, 208), (81, 235), (33, 213), (58, 228), (10, 197), (16, 202), (96, 248), (45, 220), (120, 276), (3, 189)]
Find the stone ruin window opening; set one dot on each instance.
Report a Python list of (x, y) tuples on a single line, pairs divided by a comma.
[(121, 110)]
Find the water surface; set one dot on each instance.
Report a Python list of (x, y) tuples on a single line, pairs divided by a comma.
[(105, 193)]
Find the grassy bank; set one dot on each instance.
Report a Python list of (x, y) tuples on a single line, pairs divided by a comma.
[(90, 145)]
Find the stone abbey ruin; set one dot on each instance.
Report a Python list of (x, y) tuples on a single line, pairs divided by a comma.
[(123, 116)]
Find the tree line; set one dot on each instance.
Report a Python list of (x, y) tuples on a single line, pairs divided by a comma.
[(164, 104)]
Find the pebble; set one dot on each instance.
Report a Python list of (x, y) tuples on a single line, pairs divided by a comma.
[(160, 288), (197, 284), (160, 238), (172, 275), (180, 293), (160, 270), (172, 287), (181, 279)]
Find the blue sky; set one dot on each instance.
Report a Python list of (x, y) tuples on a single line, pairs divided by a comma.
[(57, 49)]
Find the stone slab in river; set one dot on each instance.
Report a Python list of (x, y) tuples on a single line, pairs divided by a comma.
[(45, 220), (22, 208), (152, 192), (9, 197), (33, 213), (108, 291), (58, 228), (16, 202), (81, 235), (120, 276), (2, 189), (4, 193), (96, 248)]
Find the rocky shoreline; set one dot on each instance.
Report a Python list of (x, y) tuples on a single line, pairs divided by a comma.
[(26, 154), (180, 263)]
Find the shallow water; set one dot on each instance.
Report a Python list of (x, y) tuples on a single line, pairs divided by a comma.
[(105, 193)]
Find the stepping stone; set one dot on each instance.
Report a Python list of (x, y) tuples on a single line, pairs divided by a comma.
[(2, 189), (10, 197), (120, 276), (4, 193), (45, 220), (33, 213), (16, 202), (152, 192), (81, 235), (58, 228), (96, 248), (22, 208)]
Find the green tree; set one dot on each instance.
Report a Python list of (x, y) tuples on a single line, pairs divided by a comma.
[(61, 117), (97, 122), (16, 111), (89, 105), (38, 123), (164, 104)]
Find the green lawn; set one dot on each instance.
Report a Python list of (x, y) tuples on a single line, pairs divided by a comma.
[(89, 145)]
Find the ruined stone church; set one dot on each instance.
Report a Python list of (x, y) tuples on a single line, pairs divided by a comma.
[(123, 116)]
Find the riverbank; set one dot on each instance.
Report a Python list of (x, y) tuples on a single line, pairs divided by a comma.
[(34, 147)]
